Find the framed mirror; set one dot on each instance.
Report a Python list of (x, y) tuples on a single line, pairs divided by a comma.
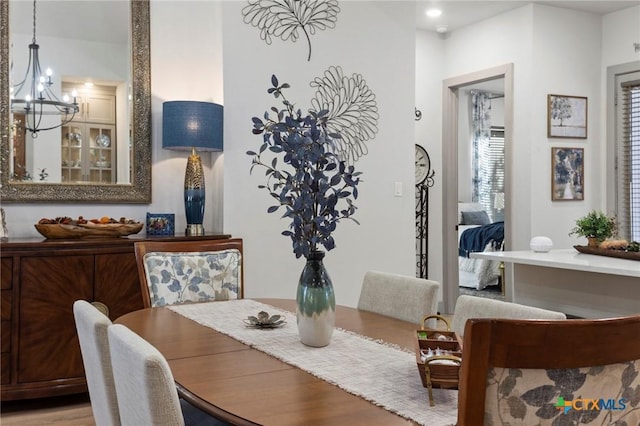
[(133, 184)]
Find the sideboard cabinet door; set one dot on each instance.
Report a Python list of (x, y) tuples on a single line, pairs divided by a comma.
[(117, 284), (49, 286)]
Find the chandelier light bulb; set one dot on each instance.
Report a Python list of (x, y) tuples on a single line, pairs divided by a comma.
[(49, 72), (27, 98), (65, 98)]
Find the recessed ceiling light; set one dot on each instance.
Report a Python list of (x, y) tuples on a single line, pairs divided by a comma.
[(434, 13)]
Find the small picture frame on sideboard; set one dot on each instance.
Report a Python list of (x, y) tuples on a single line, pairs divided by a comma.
[(160, 224)]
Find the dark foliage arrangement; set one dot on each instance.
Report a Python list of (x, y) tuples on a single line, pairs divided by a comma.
[(304, 175)]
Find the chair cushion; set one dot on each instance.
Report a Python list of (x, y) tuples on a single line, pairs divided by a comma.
[(479, 307), (176, 278), (558, 397)]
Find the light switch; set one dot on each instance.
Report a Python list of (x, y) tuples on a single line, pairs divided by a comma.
[(398, 189)]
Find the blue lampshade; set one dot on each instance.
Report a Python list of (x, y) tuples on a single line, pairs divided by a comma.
[(192, 124)]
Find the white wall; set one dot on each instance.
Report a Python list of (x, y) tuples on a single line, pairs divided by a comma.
[(376, 40), (429, 75)]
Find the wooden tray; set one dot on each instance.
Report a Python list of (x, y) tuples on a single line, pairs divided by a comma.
[(609, 252), (88, 230), (440, 371)]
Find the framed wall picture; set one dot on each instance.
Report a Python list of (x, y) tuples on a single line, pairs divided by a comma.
[(566, 117), (567, 174)]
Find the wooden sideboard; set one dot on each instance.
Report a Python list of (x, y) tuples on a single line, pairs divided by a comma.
[(39, 281)]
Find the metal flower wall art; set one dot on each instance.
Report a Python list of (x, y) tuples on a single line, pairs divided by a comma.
[(353, 111), (285, 19)]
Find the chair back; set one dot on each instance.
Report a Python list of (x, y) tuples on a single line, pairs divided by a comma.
[(92, 325), (399, 296), (146, 390), (480, 307), (544, 372), (173, 272)]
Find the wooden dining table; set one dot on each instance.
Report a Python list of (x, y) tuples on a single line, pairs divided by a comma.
[(244, 386)]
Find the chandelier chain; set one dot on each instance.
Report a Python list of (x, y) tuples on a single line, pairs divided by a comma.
[(34, 22)]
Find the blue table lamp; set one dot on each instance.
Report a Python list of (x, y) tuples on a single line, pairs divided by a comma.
[(191, 126)]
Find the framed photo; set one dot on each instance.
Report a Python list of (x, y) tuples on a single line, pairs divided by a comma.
[(160, 224), (566, 117), (567, 174)]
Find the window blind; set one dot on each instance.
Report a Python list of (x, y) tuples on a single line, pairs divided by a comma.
[(629, 161), (490, 179)]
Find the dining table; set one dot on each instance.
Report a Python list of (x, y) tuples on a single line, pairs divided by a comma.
[(243, 384)]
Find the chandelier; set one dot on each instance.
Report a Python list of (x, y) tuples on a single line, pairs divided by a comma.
[(33, 95)]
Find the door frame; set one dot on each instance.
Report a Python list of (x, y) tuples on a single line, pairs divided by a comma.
[(450, 172)]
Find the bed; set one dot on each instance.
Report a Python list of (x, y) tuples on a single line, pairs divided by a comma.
[(476, 233)]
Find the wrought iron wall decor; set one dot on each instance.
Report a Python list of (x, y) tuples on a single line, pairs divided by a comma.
[(285, 18), (353, 111), (422, 222)]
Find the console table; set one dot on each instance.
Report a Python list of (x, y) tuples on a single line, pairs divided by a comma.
[(39, 281), (584, 285)]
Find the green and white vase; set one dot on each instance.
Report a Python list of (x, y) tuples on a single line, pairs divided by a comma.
[(316, 303)]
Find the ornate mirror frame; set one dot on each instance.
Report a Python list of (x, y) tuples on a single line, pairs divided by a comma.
[(139, 191)]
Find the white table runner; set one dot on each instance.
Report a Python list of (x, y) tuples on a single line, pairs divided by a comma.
[(380, 373)]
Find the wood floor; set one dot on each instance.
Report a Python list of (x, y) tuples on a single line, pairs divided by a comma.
[(74, 410)]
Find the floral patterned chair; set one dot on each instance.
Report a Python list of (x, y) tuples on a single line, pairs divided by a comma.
[(550, 372), (174, 272)]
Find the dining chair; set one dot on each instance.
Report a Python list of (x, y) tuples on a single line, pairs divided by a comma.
[(481, 307), (543, 372), (92, 325), (399, 296), (147, 393), (174, 272)]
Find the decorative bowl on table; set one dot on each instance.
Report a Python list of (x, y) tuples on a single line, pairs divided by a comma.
[(65, 227), (264, 320)]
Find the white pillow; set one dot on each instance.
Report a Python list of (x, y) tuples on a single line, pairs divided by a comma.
[(468, 207)]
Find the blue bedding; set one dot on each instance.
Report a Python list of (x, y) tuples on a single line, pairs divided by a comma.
[(476, 239)]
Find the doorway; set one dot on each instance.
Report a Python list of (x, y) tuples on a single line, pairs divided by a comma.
[(452, 89)]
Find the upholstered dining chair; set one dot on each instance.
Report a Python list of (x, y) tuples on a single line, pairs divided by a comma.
[(92, 325), (480, 307), (147, 393), (173, 272), (399, 296), (543, 372)]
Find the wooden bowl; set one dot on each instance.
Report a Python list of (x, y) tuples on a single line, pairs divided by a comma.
[(88, 230)]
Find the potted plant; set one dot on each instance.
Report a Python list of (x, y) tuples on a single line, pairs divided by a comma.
[(595, 226), (317, 190)]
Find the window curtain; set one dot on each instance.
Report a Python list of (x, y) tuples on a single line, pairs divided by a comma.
[(487, 157)]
